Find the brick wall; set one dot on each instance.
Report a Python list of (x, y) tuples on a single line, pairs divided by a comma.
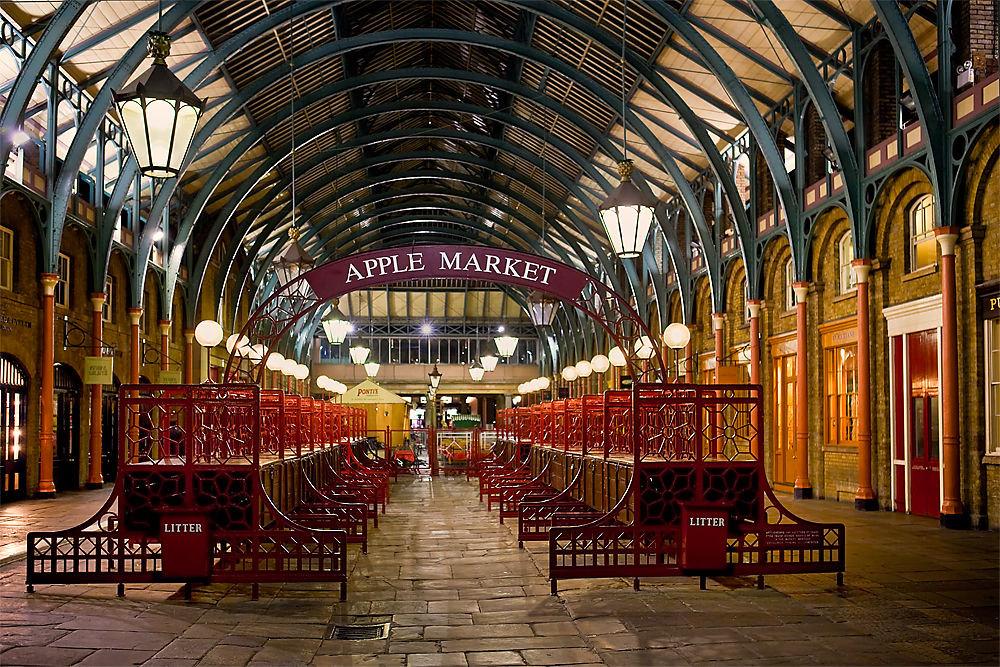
[(879, 84)]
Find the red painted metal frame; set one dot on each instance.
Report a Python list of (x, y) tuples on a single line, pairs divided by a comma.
[(692, 450), (191, 452)]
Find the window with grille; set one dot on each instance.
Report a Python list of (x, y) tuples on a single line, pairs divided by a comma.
[(6, 259), (923, 247), (845, 248), (62, 286), (108, 309), (842, 394)]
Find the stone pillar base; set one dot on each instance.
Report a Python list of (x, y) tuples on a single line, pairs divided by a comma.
[(94, 485), (866, 504), (956, 521), (803, 493), (45, 494)]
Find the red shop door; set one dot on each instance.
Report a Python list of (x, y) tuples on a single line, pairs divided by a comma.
[(925, 468)]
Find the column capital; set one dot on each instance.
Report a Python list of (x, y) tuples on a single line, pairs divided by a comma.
[(754, 306), (861, 268), (97, 300), (49, 281), (134, 314), (164, 327), (801, 291), (189, 335), (717, 320), (946, 237)]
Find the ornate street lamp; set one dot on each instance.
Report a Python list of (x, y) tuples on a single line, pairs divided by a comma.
[(600, 363), (208, 333), (542, 309), (336, 325), (435, 377), (584, 369), (159, 114), (627, 213), (293, 262), (616, 357), (569, 374)]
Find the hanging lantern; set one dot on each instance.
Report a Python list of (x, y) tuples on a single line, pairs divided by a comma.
[(476, 372), (435, 377), (371, 368), (336, 325), (542, 309), (600, 363), (159, 114), (359, 354), (627, 215), (489, 362), (505, 345), (293, 262), (616, 357)]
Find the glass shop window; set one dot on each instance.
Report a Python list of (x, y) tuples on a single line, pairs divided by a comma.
[(923, 247), (845, 250), (842, 394), (62, 285), (6, 259), (992, 333)]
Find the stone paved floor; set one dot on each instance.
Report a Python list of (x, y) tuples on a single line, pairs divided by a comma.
[(459, 592)]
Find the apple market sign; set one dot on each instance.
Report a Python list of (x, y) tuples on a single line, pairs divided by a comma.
[(446, 261)]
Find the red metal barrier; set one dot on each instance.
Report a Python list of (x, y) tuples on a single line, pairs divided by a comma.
[(698, 501), (189, 503)]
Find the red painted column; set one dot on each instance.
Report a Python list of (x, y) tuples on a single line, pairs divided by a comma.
[(134, 343), (753, 306), (864, 499), (95, 479), (689, 360), (952, 511), (164, 343), (188, 356), (803, 487), (46, 437), (720, 348)]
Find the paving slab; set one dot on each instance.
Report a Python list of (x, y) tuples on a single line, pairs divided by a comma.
[(458, 591)]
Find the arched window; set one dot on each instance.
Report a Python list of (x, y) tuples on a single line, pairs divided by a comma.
[(923, 250), (789, 279), (845, 251)]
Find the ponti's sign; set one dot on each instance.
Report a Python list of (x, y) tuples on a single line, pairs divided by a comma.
[(446, 261)]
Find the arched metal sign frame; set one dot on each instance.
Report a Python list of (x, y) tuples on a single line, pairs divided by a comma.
[(306, 294)]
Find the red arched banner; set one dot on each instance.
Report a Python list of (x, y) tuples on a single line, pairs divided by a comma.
[(302, 296)]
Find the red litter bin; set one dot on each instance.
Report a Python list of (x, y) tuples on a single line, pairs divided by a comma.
[(704, 529), (184, 545)]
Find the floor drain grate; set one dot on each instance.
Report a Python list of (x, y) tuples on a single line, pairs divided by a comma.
[(357, 632)]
